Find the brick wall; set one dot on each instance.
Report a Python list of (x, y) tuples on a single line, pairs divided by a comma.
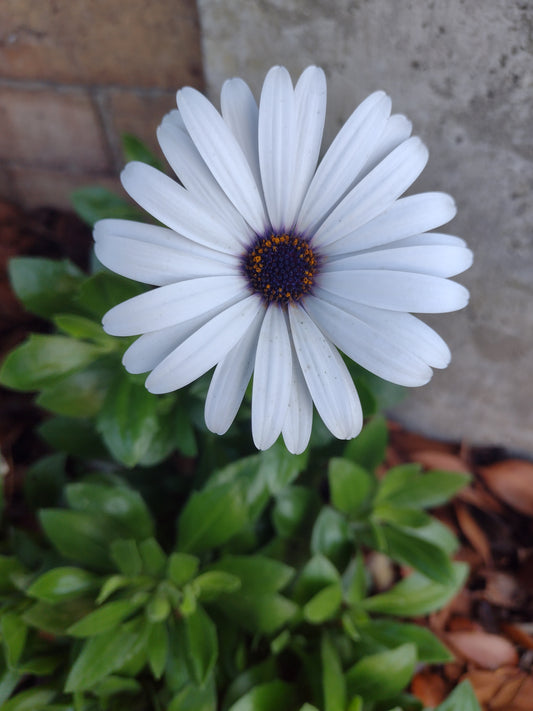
[(74, 75)]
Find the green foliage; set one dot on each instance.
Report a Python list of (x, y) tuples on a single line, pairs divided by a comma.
[(176, 570), (93, 203)]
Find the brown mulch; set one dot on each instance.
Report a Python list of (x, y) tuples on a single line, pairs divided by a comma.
[(488, 626)]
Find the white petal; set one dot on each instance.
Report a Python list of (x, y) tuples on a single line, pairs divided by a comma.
[(326, 376), (205, 347), (428, 238), (407, 216), (296, 429), (240, 112), (403, 329), (397, 291), (277, 145), (310, 93), (175, 207), (375, 193), (151, 348), (154, 264), (344, 160), (272, 378), (223, 155), (187, 163), (367, 346), (438, 260), (172, 304), (397, 130), (230, 380), (156, 235)]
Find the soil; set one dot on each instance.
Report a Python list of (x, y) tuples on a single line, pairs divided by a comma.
[(488, 626)]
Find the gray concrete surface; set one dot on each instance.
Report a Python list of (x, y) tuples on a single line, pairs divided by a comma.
[(462, 70)]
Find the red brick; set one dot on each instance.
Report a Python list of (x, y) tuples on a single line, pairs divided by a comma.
[(137, 43), (38, 187), (56, 129), (138, 113)]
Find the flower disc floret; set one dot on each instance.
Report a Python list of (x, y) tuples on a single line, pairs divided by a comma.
[(280, 267)]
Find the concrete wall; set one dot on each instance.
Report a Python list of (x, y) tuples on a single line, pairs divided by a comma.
[(74, 76), (462, 70)]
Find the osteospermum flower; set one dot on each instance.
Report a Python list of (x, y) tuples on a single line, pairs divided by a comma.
[(268, 264)]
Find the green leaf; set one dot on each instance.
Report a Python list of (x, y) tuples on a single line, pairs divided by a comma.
[(272, 696), (324, 605), (293, 509), (158, 648), (211, 517), (76, 437), (350, 486), (125, 553), (45, 286), (194, 698), (99, 657), (354, 580), (110, 586), (56, 618), (78, 394), (120, 503), (84, 328), (331, 536), (403, 488), (263, 613), (213, 583), (249, 678), (10, 568), (8, 682), (412, 518), (332, 676), (44, 481), (462, 698), (158, 607), (279, 467), (390, 634), (185, 439), (383, 675), (368, 449), (407, 547), (134, 149), (439, 534), (181, 568), (317, 573), (106, 289), (62, 584), (416, 595), (42, 360), (80, 536), (106, 618), (166, 438), (30, 700), (256, 573), (128, 419), (112, 685), (153, 557), (202, 645), (250, 475), (95, 203), (14, 633)]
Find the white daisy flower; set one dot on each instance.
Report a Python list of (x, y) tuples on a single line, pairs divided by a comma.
[(269, 264)]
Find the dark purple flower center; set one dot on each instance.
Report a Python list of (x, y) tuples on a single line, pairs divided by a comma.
[(280, 267)]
